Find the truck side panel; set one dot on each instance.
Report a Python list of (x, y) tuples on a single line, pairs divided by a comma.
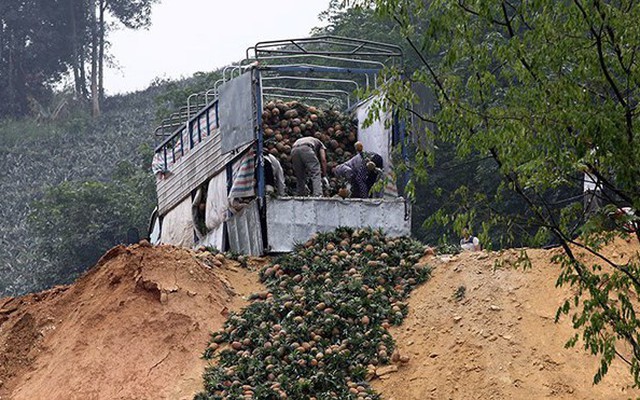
[(203, 162), (237, 113), (295, 219), (245, 235)]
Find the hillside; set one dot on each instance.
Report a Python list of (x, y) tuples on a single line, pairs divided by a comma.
[(36, 155), (136, 325)]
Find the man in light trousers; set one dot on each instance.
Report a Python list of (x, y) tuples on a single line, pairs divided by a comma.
[(309, 159)]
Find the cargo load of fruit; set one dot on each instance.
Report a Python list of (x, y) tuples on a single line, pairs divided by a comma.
[(213, 161)]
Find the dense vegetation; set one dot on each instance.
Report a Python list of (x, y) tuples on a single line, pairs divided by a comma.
[(54, 157), (41, 41), (457, 191), (56, 173), (75, 223)]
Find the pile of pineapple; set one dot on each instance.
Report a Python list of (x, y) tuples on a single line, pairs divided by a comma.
[(285, 122), (321, 328)]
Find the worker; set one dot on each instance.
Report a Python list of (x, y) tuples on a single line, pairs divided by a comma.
[(374, 174), (626, 218), (469, 242), (273, 175), (361, 171), (309, 159)]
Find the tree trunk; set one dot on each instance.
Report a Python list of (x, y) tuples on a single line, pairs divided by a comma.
[(83, 72), (76, 65), (101, 24), (95, 96)]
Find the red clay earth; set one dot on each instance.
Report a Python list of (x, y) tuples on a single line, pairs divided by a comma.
[(500, 340), (135, 326)]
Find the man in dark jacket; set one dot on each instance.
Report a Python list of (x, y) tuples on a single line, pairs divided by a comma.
[(362, 171)]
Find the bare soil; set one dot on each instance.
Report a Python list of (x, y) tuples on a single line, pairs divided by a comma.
[(134, 327), (499, 340)]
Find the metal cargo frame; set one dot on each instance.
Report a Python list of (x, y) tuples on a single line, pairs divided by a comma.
[(291, 68)]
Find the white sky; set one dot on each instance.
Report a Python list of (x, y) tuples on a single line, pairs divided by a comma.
[(187, 36)]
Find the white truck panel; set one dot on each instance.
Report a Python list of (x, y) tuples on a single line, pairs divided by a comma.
[(292, 220)]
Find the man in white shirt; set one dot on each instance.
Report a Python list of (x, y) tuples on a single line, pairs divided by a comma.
[(468, 242)]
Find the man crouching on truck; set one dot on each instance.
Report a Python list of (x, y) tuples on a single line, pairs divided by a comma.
[(362, 171), (309, 159)]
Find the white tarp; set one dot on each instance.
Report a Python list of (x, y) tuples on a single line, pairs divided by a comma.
[(196, 213), (177, 225), (154, 237), (378, 139), (244, 231), (375, 137), (214, 238), (216, 211)]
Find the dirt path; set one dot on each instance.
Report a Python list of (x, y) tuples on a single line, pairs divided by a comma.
[(134, 327), (499, 339)]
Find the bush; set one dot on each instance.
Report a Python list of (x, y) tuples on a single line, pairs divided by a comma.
[(76, 222)]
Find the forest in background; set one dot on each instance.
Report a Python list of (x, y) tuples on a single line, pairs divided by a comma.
[(44, 42)]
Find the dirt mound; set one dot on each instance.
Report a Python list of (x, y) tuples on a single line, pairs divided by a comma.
[(133, 327), (496, 338)]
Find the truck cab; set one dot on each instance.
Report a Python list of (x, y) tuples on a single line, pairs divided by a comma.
[(210, 159)]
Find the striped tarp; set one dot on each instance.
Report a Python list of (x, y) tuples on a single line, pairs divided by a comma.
[(243, 184), (202, 126), (213, 120)]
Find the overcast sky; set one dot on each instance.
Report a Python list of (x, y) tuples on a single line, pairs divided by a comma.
[(187, 36)]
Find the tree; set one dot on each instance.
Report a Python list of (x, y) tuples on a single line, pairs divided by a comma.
[(76, 11), (452, 185), (76, 222), (33, 52), (360, 23), (95, 43), (42, 40), (133, 14), (548, 91)]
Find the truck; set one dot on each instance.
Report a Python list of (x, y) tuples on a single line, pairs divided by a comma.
[(210, 156)]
